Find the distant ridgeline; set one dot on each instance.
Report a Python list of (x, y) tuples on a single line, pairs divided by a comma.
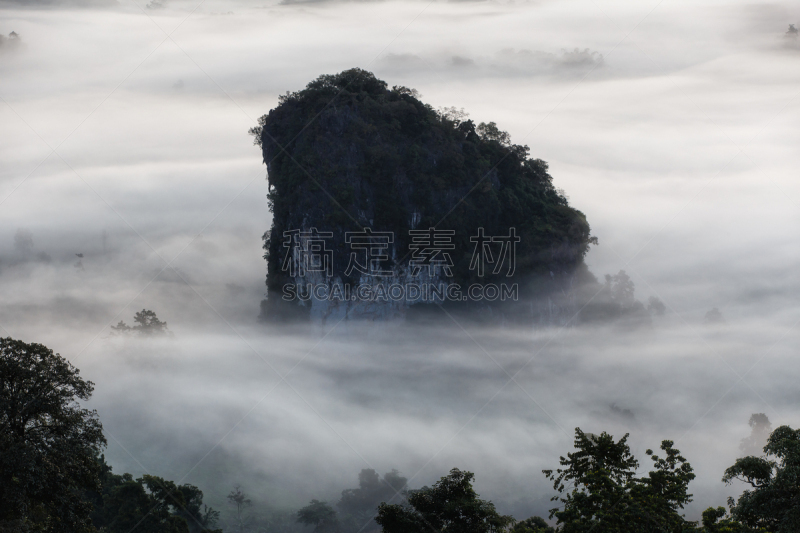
[(383, 205)]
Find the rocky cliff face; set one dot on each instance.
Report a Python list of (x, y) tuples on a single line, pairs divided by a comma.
[(373, 193)]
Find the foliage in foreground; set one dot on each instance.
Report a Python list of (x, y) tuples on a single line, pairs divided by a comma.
[(773, 501), (48, 443), (149, 504), (450, 505), (607, 496), (53, 479)]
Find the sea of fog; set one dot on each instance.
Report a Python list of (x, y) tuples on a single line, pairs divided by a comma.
[(671, 125)]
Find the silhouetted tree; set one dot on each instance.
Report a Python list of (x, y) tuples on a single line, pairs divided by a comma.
[(773, 501), (715, 521), (454, 115), (356, 509), (400, 89), (534, 524), (320, 515), (48, 443), (490, 132), (241, 502), (616, 300), (147, 324), (149, 504), (606, 496), (450, 505), (359, 506), (199, 516)]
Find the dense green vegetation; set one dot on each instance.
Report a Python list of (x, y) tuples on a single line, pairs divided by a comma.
[(773, 502), (347, 152), (450, 505), (606, 495), (53, 478), (48, 443), (52, 475), (148, 504)]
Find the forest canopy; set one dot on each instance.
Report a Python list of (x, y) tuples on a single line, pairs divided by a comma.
[(54, 478)]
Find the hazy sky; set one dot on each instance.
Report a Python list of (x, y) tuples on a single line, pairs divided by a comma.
[(672, 125)]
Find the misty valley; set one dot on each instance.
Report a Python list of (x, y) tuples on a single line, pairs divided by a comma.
[(399, 267)]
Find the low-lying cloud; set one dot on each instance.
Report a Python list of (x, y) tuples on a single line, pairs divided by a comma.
[(507, 62), (680, 148)]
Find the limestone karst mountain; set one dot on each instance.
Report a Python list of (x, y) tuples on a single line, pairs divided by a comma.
[(370, 187)]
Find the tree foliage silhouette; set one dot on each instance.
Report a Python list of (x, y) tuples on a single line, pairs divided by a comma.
[(773, 500), (48, 442), (147, 324), (607, 496), (451, 505)]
